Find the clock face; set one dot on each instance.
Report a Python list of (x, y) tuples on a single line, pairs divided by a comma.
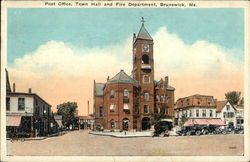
[(145, 48)]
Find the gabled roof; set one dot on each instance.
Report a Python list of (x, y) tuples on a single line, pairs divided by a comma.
[(221, 104), (143, 34), (99, 89), (122, 77)]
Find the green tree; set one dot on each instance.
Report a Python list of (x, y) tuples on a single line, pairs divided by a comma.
[(233, 97), (242, 101), (183, 120), (68, 112), (157, 119)]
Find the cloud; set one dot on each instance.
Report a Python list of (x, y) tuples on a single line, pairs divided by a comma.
[(59, 71)]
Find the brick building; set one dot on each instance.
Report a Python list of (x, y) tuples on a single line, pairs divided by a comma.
[(126, 102)]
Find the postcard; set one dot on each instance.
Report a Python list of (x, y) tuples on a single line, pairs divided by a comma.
[(125, 81)]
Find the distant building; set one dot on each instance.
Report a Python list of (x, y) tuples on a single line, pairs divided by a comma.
[(226, 112), (201, 109), (239, 115), (126, 102), (27, 112), (58, 119), (86, 122)]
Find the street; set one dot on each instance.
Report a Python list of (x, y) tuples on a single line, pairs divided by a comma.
[(79, 143)]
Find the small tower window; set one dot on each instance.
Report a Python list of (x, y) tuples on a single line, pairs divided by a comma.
[(145, 59)]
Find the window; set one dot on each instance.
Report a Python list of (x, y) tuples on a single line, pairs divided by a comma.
[(112, 93), (228, 107), (145, 59), (101, 112), (146, 109), (224, 114), (112, 108), (162, 99), (112, 124), (126, 107), (187, 101), (146, 96), (7, 103), (190, 113), (197, 113), (203, 113), (125, 93), (157, 98), (146, 79), (167, 99), (199, 102), (21, 104), (210, 113)]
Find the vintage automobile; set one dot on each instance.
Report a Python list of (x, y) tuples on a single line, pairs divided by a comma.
[(191, 130)]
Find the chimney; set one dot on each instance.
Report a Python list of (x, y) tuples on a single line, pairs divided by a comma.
[(134, 37), (166, 80), (108, 78), (14, 87), (30, 90), (88, 107)]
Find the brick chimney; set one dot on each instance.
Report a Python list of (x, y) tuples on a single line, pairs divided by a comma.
[(30, 90), (14, 87), (166, 80)]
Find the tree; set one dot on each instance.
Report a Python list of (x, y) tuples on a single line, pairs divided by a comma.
[(233, 97), (68, 112), (157, 119), (183, 120), (242, 101)]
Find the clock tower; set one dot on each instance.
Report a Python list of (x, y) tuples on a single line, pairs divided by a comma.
[(143, 73)]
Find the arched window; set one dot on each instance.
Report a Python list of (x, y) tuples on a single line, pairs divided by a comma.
[(145, 59), (112, 93), (112, 124), (125, 93), (146, 96)]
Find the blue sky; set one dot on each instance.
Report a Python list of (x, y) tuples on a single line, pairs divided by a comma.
[(93, 27)]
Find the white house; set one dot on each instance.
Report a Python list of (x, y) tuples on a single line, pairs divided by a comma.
[(226, 112), (198, 108), (239, 115)]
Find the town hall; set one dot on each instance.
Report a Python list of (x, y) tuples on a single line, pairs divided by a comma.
[(127, 102)]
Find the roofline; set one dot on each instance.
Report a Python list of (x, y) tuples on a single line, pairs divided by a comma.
[(28, 94), (195, 95)]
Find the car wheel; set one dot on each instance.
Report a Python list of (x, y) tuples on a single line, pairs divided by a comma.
[(224, 132), (188, 133), (197, 133)]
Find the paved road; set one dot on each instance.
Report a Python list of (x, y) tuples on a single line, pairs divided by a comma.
[(81, 143)]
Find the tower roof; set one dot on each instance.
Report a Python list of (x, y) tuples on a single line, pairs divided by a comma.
[(143, 33), (122, 77)]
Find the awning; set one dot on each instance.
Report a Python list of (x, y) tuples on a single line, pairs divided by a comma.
[(13, 121), (192, 122)]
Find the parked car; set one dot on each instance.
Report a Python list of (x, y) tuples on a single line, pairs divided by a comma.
[(213, 129), (190, 130), (239, 130)]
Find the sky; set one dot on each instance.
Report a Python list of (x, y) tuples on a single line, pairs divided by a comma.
[(60, 52)]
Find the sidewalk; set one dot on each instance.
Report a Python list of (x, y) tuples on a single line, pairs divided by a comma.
[(43, 137), (124, 134)]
